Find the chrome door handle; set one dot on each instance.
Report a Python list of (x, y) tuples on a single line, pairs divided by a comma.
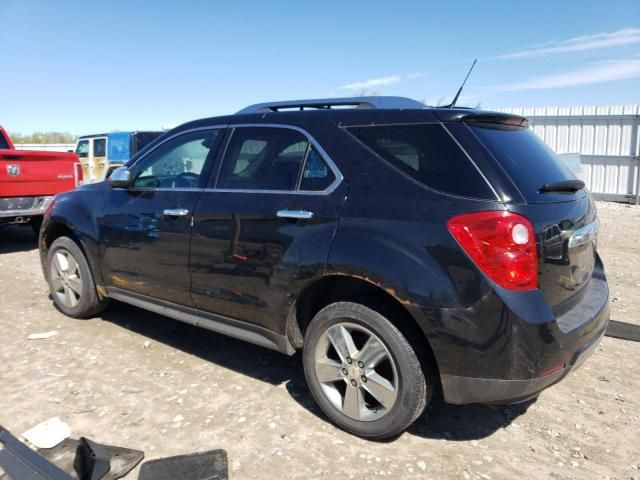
[(175, 212), (295, 214)]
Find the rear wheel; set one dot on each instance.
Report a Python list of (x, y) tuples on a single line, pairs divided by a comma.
[(363, 372), (70, 281)]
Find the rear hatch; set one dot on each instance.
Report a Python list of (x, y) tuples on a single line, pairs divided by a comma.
[(25, 173), (561, 210)]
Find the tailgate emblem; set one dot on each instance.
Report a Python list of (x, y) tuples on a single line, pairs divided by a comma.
[(13, 170)]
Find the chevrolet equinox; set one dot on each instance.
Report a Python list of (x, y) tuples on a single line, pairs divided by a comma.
[(403, 248)]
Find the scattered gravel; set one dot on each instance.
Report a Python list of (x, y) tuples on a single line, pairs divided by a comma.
[(138, 380)]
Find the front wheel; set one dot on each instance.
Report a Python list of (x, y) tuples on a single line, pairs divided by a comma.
[(362, 371), (70, 280)]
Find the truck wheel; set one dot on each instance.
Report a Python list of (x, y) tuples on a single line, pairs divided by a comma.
[(70, 281), (362, 371)]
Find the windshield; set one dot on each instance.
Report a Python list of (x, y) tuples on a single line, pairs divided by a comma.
[(82, 150), (525, 158)]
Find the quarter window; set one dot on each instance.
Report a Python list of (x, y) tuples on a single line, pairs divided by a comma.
[(260, 158), (427, 153), (316, 175), (178, 163)]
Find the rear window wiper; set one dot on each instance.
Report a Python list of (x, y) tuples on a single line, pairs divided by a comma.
[(563, 186)]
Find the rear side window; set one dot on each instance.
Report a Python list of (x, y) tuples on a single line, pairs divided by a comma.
[(100, 147), (4, 145), (525, 158), (427, 153), (260, 158)]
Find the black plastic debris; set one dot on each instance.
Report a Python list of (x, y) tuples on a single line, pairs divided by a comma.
[(91, 461), (624, 331), (121, 460), (210, 465), (19, 462)]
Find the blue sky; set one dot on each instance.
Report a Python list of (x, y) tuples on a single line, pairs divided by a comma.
[(86, 67)]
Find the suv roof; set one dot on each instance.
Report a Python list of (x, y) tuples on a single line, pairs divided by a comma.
[(373, 102), (363, 110)]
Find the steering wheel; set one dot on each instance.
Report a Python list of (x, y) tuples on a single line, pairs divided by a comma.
[(188, 179)]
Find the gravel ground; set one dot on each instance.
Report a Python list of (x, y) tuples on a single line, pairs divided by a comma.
[(139, 380)]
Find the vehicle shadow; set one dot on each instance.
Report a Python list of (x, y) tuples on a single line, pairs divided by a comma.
[(464, 422), (440, 420), (242, 357), (17, 238)]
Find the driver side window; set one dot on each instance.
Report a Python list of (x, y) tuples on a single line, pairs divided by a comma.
[(178, 163)]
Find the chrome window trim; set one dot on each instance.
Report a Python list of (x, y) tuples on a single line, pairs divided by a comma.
[(493, 190), (584, 235), (312, 141)]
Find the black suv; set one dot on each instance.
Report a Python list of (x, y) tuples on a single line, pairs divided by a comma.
[(403, 248)]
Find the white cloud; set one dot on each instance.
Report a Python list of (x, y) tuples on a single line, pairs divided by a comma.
[(625, 36), (598, 72), (381, 82), (372, 82)]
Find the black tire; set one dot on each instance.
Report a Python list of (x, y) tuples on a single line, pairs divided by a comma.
[(88, 302), (413, 388)]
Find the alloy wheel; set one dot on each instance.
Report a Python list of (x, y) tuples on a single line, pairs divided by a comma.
[(356, 371), (65, 278)]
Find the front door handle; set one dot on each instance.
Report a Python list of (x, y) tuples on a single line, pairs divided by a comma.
[(175, 212), (295, 214)]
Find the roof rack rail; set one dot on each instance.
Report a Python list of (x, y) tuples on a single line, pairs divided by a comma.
[(373, 102)]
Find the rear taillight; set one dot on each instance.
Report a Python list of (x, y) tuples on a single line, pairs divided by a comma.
[(502, 244), (77, 172)]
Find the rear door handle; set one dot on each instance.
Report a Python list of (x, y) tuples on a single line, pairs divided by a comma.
[(295, 214), (175, 212)]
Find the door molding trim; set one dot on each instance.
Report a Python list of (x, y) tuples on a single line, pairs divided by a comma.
[(210, 321)]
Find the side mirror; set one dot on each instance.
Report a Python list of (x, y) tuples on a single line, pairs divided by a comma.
[(120, 178)]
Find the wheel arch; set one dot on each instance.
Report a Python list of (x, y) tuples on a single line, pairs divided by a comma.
[(340, 287), (56, 227)]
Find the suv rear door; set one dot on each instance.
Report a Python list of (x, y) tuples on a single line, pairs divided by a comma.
[(265, 224), (145, 229)]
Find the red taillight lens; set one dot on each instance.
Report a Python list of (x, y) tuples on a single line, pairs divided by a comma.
[(77, 171), (502, 244)]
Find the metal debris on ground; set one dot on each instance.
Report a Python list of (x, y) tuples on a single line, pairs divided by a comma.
[(624, 331), (42, 336)]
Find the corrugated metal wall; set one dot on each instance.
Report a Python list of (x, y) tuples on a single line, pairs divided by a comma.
[(606, 137)]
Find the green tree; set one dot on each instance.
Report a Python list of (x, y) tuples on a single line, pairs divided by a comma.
[(43, 137)]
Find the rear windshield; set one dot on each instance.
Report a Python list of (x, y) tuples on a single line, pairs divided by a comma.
[(525, 158), (427, 153), (3, 143)]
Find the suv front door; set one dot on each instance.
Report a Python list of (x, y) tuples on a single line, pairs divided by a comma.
[(144, 229), (266, 225)]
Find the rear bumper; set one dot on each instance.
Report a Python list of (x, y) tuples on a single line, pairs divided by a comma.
[(462, 390), (15, 207), (514, 355)]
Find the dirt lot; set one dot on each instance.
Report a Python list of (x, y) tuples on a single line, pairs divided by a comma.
[(139, 380)]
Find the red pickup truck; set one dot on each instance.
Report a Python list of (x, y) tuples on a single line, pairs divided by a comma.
[(29, 180)]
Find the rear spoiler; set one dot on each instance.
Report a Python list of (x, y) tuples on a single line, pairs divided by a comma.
[(479, 116)]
